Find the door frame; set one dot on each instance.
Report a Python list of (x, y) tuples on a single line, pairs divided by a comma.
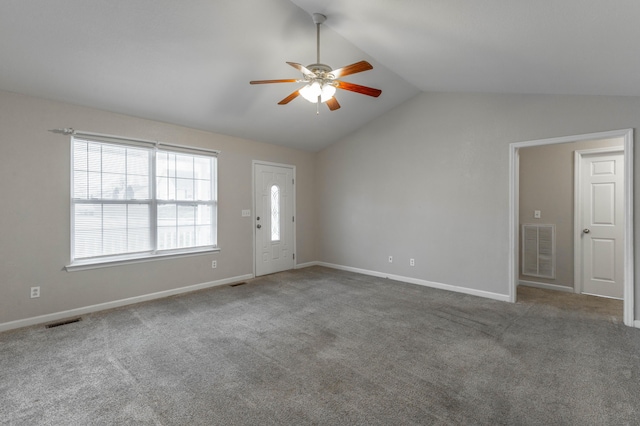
[(253, 207), (577, 209), (514, 199)]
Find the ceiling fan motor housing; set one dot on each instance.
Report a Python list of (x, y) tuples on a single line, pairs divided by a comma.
[(322, 71)]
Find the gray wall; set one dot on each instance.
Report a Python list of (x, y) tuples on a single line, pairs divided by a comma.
[(430, 180), (546, 184), (427, 180), (34, 230)]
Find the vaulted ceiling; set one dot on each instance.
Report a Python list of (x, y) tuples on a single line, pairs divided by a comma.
[(190, 62)]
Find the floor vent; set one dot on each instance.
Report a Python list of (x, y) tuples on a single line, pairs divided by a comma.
[(236, 284), (65, 322)]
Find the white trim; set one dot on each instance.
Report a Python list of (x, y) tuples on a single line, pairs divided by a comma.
[(576, 138), (253, 206), (513, 268), (306, 265), (636, 323), (96, 264), (432, 284), (577, 208), (629, 283), (627, 136), (599, 295), (118, 303), (546, 286)]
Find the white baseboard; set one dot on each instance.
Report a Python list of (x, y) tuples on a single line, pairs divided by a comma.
[(306, 265), (117, 303), (546, 286), (42, 319), (465, 290), (636, 323)]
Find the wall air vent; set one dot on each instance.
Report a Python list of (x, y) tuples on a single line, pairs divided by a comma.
[(539, 250)]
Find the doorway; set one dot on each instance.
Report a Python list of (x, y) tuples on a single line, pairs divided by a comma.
[(626, 136), (274, 221)]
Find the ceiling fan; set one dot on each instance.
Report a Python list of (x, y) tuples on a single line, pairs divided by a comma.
[(321, 81)]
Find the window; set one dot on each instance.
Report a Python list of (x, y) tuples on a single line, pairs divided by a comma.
[(275, 213), (133, 200)]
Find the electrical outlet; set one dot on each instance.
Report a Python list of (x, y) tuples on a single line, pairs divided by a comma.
[(412, 262), (214, 264), (35, 292), (390, 259)]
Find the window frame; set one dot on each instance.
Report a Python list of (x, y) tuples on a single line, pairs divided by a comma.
[(154, 253)]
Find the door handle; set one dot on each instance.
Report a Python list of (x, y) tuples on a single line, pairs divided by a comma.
[(258, 226), (586, 230)]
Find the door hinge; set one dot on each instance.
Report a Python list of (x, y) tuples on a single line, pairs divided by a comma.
[(294, 256), (293, 181), (293, 218)]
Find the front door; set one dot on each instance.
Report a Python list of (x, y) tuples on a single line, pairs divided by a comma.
[(274, 218), (601, 215)]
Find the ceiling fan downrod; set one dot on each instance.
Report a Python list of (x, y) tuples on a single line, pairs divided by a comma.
[(318, 18)]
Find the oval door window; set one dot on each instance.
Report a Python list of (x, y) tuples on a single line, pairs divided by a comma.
[(275, 213)]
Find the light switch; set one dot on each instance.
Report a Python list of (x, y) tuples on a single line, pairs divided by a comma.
[(246, 213), (536, 214)]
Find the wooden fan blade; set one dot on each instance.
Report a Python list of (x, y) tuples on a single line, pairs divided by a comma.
[(352, 69), (364, 90), (304, 70), (289, 98), (288, 80), (333, 104)]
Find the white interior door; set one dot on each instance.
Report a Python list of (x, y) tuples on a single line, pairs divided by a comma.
[(274, 218), (601, 226)]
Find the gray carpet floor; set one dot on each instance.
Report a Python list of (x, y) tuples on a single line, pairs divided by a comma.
[(321, 346)]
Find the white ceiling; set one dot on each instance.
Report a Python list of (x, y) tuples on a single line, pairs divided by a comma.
[(190, 62)]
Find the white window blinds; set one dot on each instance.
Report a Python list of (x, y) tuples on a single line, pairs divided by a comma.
[(134, 200)]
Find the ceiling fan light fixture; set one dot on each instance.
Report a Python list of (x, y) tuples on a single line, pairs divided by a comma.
[(328, 90), (311, 91)]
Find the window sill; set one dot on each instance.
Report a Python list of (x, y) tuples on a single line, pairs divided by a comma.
[(95, 264)]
